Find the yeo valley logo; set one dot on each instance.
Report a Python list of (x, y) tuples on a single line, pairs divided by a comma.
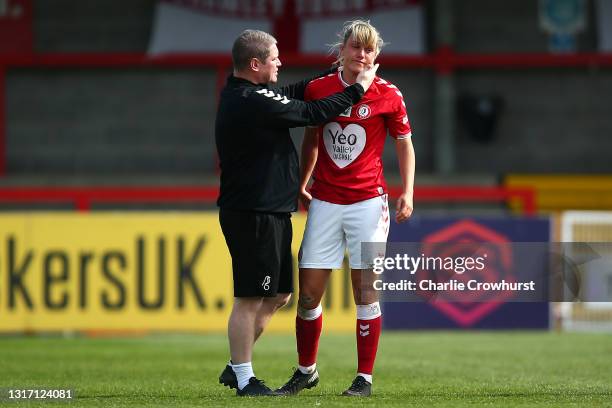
[(344, 145)]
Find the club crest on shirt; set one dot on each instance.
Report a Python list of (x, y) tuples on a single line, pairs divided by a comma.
[(363, 111), (343, 145)]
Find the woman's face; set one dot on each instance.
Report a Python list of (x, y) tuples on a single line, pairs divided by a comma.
[(356, 55)]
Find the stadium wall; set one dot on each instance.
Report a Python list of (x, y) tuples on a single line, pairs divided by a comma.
[(126, 121), (113, 121), (110, 26)]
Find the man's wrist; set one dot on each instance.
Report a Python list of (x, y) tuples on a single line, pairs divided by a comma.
[(357, 91)]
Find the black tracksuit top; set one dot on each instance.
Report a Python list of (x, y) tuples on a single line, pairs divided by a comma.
[(259, 164)]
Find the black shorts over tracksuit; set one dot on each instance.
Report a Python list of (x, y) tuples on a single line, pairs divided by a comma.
[(260, 175), (260, 246)]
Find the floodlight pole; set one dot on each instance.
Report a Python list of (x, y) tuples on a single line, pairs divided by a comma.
[(444, 90)]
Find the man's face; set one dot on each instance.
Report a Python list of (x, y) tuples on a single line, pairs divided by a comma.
[(268, 69), (356, 55)]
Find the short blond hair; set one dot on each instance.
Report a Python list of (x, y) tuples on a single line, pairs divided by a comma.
[(363, 32)]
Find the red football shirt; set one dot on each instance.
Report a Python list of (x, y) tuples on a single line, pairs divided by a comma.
[(349, 164)]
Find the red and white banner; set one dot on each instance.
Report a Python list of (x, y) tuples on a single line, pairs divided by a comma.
[(400, 23), (16, 26), (306, 26)]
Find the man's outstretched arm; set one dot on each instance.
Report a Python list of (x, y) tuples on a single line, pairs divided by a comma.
[(297, 90), (274, 109)]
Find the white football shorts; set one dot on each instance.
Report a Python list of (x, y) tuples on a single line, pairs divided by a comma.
[(330, 228)]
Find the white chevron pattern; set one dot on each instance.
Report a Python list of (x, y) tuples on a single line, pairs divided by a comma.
[(277, 97)]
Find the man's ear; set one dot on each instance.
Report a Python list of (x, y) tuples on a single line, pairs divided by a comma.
[(254, 64)]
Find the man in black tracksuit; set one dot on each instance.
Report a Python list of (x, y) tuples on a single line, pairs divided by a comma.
[(259, 188)]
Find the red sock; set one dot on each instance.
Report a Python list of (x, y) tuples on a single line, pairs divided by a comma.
[(368, 332), (307, 334)]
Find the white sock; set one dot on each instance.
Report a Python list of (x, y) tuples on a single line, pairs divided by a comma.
[(307, 370), (368, 312), (310, 314), (243, 372), (368, 377)]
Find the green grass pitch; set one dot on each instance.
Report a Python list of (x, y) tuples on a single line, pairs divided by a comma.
[(430, 369)]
